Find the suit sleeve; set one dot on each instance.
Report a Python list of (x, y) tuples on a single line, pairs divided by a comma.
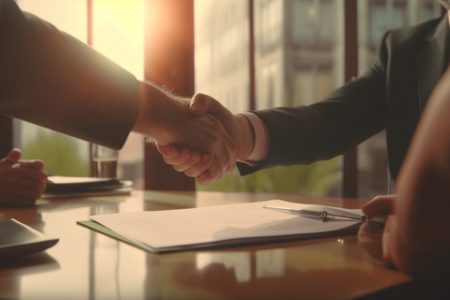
[(305, 134), (53, 80)]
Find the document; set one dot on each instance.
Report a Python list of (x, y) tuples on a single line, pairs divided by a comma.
[(63, 186), (218, 226)]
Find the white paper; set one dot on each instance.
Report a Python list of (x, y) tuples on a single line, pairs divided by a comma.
[(216, 225)]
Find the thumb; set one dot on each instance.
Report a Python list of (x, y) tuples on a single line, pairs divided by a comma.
[(167, 151), (13, 155), (199, 104), (202, 104)]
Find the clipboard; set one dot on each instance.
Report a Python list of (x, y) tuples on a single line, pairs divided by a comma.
[(19, 239)]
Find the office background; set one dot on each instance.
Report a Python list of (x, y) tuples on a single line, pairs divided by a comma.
[(296, 58)]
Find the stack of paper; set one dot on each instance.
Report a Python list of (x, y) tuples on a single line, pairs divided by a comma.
[(63, 186), (213, 226)]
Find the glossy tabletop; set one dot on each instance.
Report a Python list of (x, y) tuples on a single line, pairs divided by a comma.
[(89, 265)]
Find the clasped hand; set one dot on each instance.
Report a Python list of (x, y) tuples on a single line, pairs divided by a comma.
[(232, 131)]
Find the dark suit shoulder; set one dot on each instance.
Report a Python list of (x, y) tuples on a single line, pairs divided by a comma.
[(405, 37)]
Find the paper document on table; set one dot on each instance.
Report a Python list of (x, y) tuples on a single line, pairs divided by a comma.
[(222, 225)]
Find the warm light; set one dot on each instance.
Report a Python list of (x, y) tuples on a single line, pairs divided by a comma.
[(118, 32)]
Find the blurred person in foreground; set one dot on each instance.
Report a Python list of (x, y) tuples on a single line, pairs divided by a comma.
[(415, 237)]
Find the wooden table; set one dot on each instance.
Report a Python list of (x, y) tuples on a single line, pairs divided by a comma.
[(89, 265)]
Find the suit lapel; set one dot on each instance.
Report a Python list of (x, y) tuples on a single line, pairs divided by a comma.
[(432, 61)]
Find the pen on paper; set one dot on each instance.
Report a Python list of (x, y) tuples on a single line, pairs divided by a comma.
[(324, 215)]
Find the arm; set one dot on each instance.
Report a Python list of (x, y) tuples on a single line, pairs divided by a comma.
[(304, 134), (51, 79), (416, 238)]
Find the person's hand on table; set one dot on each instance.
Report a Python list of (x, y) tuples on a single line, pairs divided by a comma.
[(375, 238), (191, 162), (22, 182), (381, 205)]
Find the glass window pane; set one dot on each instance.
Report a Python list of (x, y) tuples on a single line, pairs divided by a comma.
[(221, 51), (298, 57), (375, 17), (118, 33), (62, 155)]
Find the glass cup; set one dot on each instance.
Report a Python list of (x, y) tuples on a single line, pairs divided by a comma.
[(104, 162)]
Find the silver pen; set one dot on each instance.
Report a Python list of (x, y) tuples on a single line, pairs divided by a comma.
[(326, 214)]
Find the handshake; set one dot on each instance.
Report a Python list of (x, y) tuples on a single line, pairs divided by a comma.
[(198, 137)]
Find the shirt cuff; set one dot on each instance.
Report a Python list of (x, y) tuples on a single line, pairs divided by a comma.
[(260, 149)]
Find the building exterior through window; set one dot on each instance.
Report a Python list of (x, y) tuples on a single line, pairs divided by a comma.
[(299, 60)]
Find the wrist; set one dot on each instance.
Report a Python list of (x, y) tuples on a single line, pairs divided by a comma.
[(245, 137), (141, 124), (156, 107)]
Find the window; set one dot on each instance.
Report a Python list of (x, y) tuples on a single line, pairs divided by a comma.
[(313, 21), (299, 58), (221, 51), (62, 155), (117, 33), (290, 69)]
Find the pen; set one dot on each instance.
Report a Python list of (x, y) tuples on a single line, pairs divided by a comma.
[(329, 214)]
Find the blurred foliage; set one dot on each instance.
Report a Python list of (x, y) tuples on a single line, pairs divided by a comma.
[(317, 179), (58, 152)]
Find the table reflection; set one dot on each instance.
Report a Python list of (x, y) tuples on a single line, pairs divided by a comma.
[(88, 265)]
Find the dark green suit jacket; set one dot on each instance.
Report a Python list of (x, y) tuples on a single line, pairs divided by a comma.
[(51, 79), (391, 96)]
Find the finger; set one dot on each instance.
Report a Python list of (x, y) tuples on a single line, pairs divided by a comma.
[(183, 159), (379, 206), (177, 157), (193, 160), (197, 169), (202, 104), (232, 155), (27, 184), (199, 104), (221, 160), (32, 164), (230, 148), (205, 178), (29, 173), (168, 151), (224, 159), (14, 155)]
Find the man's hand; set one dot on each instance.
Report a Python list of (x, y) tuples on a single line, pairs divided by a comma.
[(382, 205), (21, 182), (169, 121), (191, 162)]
